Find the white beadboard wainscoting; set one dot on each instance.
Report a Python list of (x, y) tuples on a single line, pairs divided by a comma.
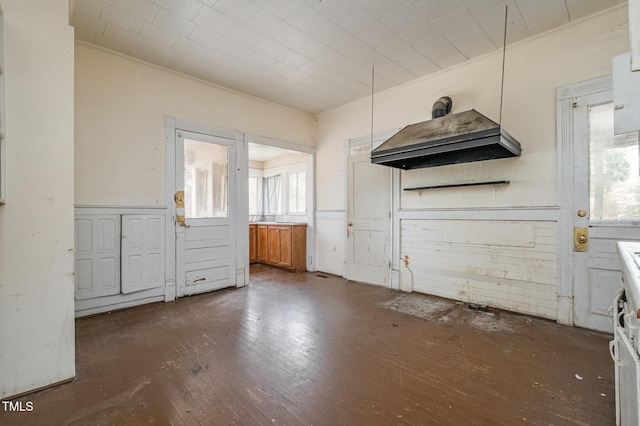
[(330, 244), (504, 258), (120, 257)]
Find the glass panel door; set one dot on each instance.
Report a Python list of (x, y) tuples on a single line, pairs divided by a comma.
[(205, 179)]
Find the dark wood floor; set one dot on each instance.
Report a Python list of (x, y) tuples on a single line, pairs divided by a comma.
[(300, 349)]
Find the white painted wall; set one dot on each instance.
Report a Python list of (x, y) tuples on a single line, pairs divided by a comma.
[(534, 69), (120, 141), (36, 224)]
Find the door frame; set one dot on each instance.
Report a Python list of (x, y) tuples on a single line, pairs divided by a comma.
[(356, 146), (310, 193), (566, 97), (173, 125)]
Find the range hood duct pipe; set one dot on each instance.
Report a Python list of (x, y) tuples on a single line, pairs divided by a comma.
[(441, 107)]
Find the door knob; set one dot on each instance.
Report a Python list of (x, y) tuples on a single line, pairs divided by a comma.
[(349, 223), (181, 221), (582, 213)]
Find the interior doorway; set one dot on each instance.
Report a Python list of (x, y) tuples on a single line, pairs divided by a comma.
[(280, 190)]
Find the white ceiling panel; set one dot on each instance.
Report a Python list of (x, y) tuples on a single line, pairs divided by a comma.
[(213, 20), (581, 8), (238, 10), (207, 37), (121, 19), (184, 8), (91, 8), (314, 55), (267, 23), (381, 8), (143, 9), (158, 35), (436, 9), (174, 23), (281, 8), (490, 15), (473, 41), (190, 47), (245, 35), (543, 15)]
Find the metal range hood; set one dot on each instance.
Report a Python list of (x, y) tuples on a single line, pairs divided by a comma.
[(449, 139)]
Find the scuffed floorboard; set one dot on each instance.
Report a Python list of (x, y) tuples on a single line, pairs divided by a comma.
[(302, 349)]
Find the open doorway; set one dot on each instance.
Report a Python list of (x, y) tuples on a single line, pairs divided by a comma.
[(280, 205)]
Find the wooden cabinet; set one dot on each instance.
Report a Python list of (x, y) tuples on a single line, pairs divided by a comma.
[(253, 243), (262, 243), (283, 245)]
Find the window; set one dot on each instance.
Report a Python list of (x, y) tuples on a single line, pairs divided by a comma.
[(272, 194), (205, 179), (297, 192), (614, 169), (253, 195)]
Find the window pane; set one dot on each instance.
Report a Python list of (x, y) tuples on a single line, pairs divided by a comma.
[(273, 194), (253, 196), (206, 183), (293, 193), (614, 168), (297, 191), (302, 193)]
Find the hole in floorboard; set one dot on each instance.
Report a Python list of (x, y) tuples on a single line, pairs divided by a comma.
[(445, 310)]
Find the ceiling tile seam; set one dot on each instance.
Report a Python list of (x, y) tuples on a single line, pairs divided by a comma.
[(366, 44), (435, 27), (313, 60), (406, 42), (524, 21), (482, 28), (275, 76)]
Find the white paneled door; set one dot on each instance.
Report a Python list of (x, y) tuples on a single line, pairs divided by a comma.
[(205, 213), (142, 252), (606, 206), (97, 255), (368, 221)]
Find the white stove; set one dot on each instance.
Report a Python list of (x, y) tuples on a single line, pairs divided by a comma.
[(625, 346)]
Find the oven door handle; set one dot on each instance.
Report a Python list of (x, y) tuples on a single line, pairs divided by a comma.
[(613, 357), (611, 312), (627, 323)]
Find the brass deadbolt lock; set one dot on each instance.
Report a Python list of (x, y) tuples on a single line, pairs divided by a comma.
[(580, 239), (179, 198), (582, 213)]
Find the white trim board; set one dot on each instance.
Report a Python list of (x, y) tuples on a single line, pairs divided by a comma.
[(507, 213)]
